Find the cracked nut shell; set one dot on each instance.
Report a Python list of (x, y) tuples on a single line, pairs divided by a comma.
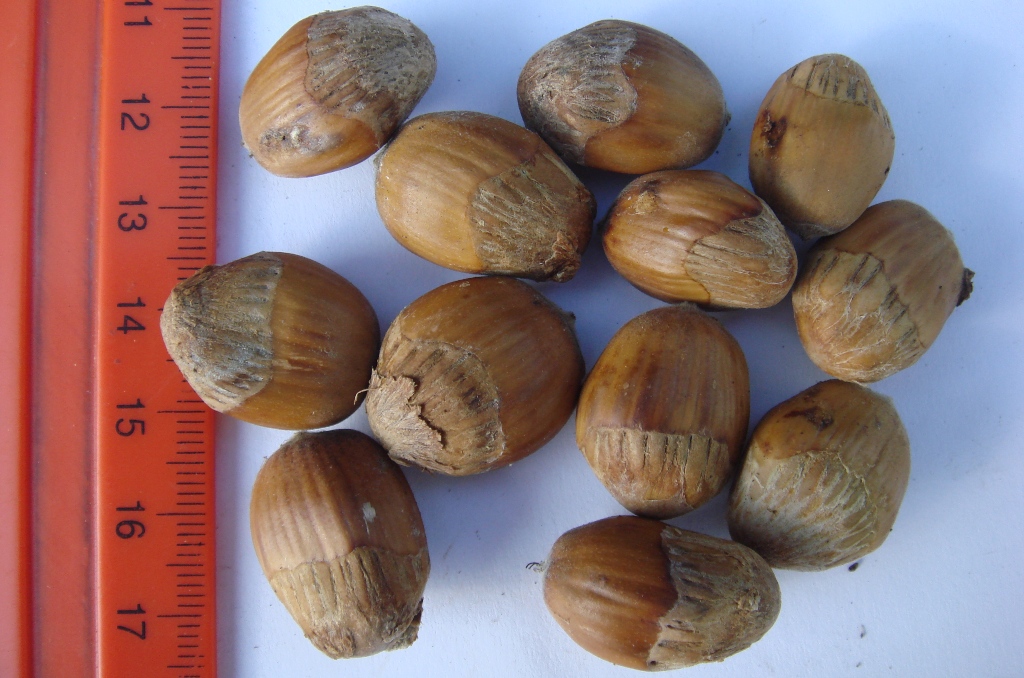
[(663, 414), (872, 299), (478, 194), (623, 97), (474, 375), (822, 145), (823, 478), (333, 90), (695, 235), (339, 536), (650, 596), (273, 339)]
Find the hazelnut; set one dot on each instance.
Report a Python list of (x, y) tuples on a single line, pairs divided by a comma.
[(333, 89), (623, 97), (478, 194), (474, 375), (692, 235), (650, 596), (273, 339), (823, 478), (872, 299), (339, 536), (663, 414), (822, 145)]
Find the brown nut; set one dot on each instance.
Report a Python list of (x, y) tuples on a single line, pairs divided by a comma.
[(333, 90), (479, 194), (623, 97), (339, 536), (694, 235), (823, 479), (474, 375), (663, 414), (872, 299), (822, 145), (273, 339), (650, 596)]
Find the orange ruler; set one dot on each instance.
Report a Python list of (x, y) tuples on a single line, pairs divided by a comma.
[(108, 199)]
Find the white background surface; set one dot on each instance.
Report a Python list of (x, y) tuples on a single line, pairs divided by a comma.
[(944, 596)]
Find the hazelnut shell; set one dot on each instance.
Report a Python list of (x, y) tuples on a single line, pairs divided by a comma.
[(694, 235), (663, 414), (650, 596), (474, 375), (273, 339), (623, 97), (823, 478), (333, 90), (822, 145), (872, 299), (478, 194), (339, 536)]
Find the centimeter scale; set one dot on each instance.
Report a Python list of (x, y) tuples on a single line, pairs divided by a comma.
[(108, 201)]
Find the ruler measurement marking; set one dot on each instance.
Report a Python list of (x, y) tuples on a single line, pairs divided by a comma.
[(189, 103)]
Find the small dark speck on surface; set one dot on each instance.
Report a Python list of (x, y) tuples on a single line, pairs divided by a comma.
[(853, 568), (863, 631)]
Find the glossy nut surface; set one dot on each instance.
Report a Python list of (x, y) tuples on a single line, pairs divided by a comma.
[(273, 339), (339, 536), (663, 414), (478, 194), (694, 235), (872, 299), (623, 97), (333, 90), (822, 145), (823, 478), (650, 596), (474, 375)]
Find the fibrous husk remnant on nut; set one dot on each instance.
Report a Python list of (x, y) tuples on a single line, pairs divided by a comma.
[(623, 97), (823, 478), (474, 375), (695, 235), (478, 194), (663, 414), (872, 299), (821, 146), (333, 90), (339, 536), (274, 339), (650, 596)]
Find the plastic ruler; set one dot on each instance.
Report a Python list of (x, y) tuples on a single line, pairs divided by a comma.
[(108, 199)]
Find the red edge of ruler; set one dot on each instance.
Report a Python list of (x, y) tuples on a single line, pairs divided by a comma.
[(155, 469), (87, 574)]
